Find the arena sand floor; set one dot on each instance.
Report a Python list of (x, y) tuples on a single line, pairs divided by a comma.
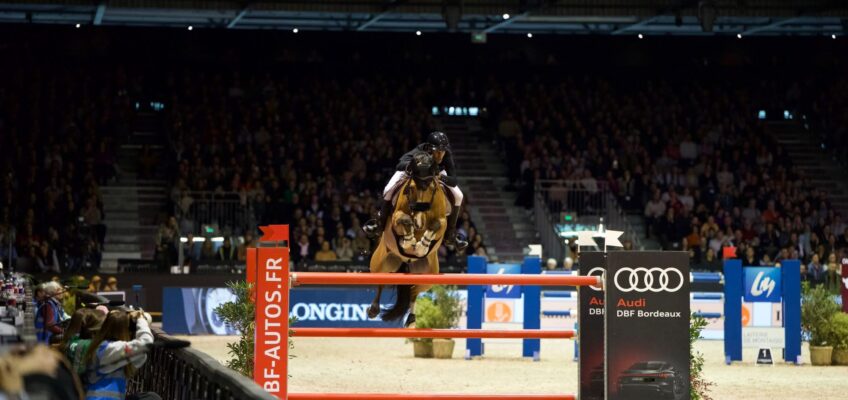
[(386, 365)]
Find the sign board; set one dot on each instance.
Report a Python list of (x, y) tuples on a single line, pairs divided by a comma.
[(646, 324), (844, 285), (271, 352), (762, 284), (591, 321), (760, 337), (764, 357), (503, 291)]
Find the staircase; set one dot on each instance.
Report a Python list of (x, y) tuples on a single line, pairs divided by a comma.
[(132, 205), (809, 158), (506, 229)]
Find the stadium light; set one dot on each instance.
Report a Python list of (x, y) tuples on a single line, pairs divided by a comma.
[(78, 26), (739, 36), (190, 27), (417, 33), (295, 30), (505, 16), (833, 36), (530, 35), (641, 37)]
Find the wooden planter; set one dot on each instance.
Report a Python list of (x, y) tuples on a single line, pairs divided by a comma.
[(821, 355), (443, 348), (422, 348), (840, 357)]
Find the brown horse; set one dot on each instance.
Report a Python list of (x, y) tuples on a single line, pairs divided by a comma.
[(413, 236)]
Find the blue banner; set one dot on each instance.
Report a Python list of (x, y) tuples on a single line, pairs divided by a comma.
[(191, 310), (503, 291), (762, 284)]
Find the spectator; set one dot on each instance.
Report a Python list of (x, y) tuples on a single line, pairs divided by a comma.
[(815, 271), (207, 252), (345, 252), (227, 252), (302, 251), (111, 285), (326, 253), (50, 313), (710, 262), (76, 339), (654, 211), (94, 285)]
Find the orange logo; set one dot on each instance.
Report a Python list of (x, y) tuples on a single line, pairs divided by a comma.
[(499, 312), (746, 315)]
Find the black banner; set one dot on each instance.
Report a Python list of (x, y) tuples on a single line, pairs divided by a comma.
[(647, 325), (591, 323)]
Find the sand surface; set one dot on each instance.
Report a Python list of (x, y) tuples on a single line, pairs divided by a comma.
[(387, 366)]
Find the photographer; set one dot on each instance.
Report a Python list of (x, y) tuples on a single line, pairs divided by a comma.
[(113, 357), (77, 338), (50, 313)]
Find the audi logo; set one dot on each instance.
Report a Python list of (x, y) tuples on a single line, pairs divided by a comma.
[(597, 271), (643, 280)]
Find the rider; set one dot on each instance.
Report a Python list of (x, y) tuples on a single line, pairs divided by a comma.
[(438, 146)]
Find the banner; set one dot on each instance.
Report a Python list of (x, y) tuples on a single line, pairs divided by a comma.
[(503, 291), (647, 325), (762, 284), (271, 351), (591, 322), (191, 311), (844, 279)]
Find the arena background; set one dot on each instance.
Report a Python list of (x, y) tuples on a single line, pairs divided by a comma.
[(146, 141)]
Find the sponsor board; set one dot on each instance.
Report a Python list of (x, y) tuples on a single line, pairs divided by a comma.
[(591, 321), (503, 291), (761, 337), (762, 284), (647, 325), (271, 350), (844, 284)]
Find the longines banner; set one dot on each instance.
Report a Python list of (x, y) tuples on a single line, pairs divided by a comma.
[(591, 322), (647, 325)]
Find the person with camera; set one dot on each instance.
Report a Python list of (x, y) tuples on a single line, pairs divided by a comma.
[(77, 338), (114, 355)]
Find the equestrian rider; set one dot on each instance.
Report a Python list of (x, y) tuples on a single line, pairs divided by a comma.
[(438, 146)]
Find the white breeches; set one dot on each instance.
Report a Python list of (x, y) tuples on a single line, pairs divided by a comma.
[(400, 177)]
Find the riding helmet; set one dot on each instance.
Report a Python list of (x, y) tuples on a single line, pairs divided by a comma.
[(438, 140)]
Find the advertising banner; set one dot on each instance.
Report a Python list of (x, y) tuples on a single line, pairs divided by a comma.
[(191, 311), (503, 291), (844, 279), (647, 325), (591, 322), (762, 284), (271, 351)]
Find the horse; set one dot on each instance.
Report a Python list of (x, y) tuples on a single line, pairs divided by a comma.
[(413, 236)]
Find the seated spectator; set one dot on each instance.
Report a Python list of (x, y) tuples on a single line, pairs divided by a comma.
[(345, 252), (111, 285), (326, 253), (94, 284), (815, 271), (302, 250), (115, 354), (207, 251), (710, 262), (227, 252), (50, 313)]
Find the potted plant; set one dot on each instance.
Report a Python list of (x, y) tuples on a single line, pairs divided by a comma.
[(839, 327), (440, 310), (817, 311)]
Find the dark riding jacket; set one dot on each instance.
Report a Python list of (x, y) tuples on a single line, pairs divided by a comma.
[(447, 163)]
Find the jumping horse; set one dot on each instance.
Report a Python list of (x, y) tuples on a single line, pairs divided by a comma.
[(412, 239)]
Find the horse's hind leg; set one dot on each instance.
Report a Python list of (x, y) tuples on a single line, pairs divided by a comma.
[(374, 309)]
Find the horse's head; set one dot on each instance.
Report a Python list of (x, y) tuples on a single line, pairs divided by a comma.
[(422, 188)]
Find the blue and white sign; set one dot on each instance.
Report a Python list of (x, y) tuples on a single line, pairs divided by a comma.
[(762, 284), (503, 291)]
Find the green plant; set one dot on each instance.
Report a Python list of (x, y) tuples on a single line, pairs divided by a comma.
[(839, 330), (440, 310), (699, 387), (817, 311), (240, 315)]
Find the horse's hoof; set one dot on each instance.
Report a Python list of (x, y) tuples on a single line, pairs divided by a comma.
[(373, 311), (410, 321)]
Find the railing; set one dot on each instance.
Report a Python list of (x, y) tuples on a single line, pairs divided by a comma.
[(591, 203), (231, 211), (190, 374)]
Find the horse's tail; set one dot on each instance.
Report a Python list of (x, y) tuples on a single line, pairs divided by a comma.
[(397, 311)]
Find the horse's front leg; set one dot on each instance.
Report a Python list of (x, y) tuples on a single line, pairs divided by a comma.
[(432, 233), (405, 229), (374, 310)]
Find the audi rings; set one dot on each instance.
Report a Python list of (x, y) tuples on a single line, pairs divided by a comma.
[(599, 272), (648, 280)]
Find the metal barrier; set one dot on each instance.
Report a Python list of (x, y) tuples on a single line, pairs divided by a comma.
[(190, 374), (231, 211)]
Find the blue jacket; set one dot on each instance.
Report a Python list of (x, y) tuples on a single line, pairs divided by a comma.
[(42, 328)]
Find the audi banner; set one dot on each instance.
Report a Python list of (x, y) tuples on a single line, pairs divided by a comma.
[(844, 284), (591, 322), (647, 325)]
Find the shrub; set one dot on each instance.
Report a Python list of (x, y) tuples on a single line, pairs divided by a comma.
[(699, 387), (839, 330), (817, 310)]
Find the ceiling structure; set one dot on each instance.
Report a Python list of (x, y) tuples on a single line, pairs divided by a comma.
[(601, 17)]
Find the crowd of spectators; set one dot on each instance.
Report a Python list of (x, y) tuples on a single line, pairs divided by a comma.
[(315, 153), (692, 157), (57, 134)]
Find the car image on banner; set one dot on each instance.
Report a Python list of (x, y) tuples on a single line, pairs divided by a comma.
[(654, 380)]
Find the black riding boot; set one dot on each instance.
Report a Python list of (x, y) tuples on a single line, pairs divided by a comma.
[(451, 238), (374, 228)]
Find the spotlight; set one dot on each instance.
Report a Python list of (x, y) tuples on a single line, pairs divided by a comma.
[(78, 26), (506, 16), (190, 27), (417, 33), (295, 30), (739, 36), (641, 37), (530, 35), (833, 36)]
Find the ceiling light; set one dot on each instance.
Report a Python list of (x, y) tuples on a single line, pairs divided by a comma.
[(833, 36), (190, 27), (295, 30), (78, 25), (641, 37), (417, 33), (739, 36), (530, 35), (506, 16)]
